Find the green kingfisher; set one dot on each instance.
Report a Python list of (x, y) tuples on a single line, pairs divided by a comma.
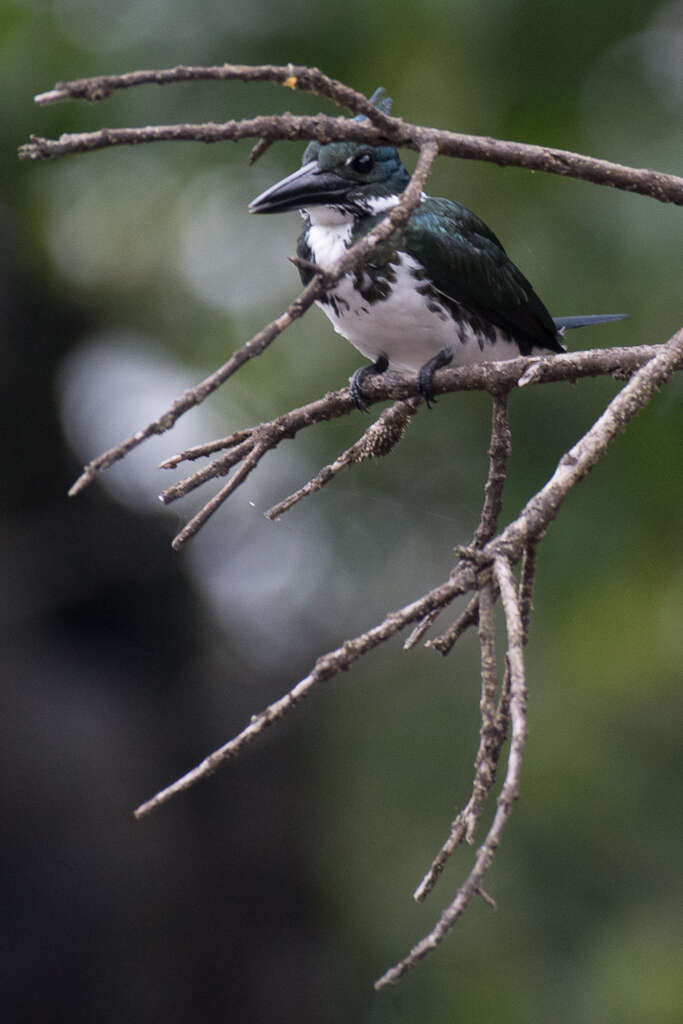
[(440, 290)]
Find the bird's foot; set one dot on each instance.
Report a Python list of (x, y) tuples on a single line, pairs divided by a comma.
[(361, 375), (425, 377)]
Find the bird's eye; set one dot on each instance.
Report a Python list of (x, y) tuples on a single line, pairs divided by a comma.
[(362, 163)]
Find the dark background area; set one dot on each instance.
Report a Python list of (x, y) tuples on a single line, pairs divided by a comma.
[(282, 887)]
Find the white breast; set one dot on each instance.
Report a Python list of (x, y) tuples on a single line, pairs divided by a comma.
[(406, 327)]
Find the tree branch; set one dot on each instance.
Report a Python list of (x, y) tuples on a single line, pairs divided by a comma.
[(499, 451), (380, 438), (295, 77), (508, 793), (528, 528), (498, 555), (379, 128), (494, 377), (326, 667)]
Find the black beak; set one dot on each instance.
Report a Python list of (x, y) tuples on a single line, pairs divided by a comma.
[(309, 186)]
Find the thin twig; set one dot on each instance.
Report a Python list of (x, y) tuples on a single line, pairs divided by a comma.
[(485, 765), (492, 735), (257, 151), (263, 439), (445, 643), (194, 396), (295, 77), (499, 451), (194, 524), (509, 791), (526, 588), (326, 667), (380, 438), (378, 128), (420, 630), (200, 451)]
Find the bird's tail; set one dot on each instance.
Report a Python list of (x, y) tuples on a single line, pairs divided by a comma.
[(566, 323)]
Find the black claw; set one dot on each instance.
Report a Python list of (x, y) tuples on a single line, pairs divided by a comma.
[(361, 374), (425, 377)]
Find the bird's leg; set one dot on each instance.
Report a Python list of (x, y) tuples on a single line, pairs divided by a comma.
[(425, 377), (361, 374)]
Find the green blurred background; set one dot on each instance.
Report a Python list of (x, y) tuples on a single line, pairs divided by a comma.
[(279, 890)]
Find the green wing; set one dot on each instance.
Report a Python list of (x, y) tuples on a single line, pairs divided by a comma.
[(469, 266)]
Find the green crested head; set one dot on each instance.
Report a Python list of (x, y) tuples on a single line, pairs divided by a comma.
[(313, 150), (342, 174)]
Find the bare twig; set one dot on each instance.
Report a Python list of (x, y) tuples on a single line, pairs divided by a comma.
[(292, 76), (269, 435), (508, 793), (485, 764), (492, 736), (380, 438), (494, 720), (445, 643), (200, 451), (194, 396), (526, 588), (465, 823), (205, 513), (420, 630), (257, 151), (379, 128), (326, 667), (499, 451), (539, 512)]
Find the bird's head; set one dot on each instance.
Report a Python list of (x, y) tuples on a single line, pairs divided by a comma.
[(351, 177)]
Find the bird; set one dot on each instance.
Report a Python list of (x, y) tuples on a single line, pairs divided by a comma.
[(440, 290)]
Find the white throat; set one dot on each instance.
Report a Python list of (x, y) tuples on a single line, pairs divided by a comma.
[(330, 229), (329, 235)]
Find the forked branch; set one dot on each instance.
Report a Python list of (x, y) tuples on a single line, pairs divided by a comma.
[(379, 128), (486, 571)]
